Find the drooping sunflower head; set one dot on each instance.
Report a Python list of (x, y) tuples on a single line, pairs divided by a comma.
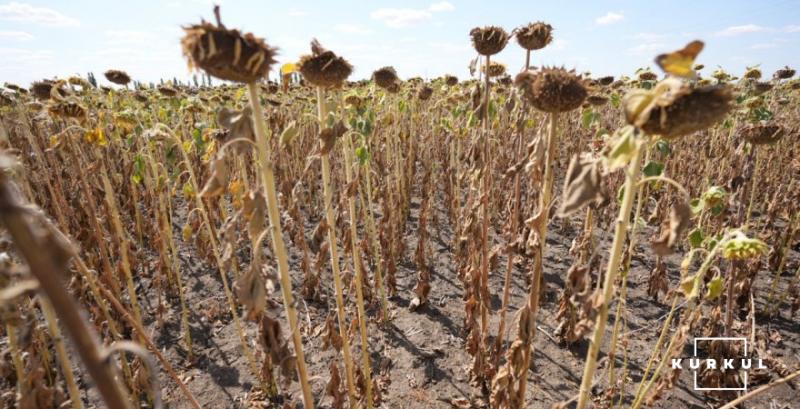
[(534, 36), (552, 89), (385, 77), (324, 68), (227, 54), (605, 81), (488, 40), (766, 133), (676, 109), (425, 93), (784, 73), (118, 77)]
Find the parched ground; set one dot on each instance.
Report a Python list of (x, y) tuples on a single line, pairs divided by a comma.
[(422, 353)]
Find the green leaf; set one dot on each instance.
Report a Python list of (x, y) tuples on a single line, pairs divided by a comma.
[(472, 121), (188, 190), (589, 117), (653, 168), (696, 205), (696, 238), (715, 288), (712, 241), (622, 150), (762, 114), (663, 147), (690, 286), (492, 109), (616, 100), (362, 154)]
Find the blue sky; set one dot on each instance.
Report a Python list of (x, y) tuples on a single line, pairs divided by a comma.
[(43, 39)]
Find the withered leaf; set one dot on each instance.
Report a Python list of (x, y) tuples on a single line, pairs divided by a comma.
[(251, 292), (216, 184), (679, 219), (239, 124), (582, 185), (329, 135)]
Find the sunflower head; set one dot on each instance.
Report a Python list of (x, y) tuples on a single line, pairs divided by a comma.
[(648, 76), (118, 77), (534, 36), (784, 73), (41, 89), (324, 68), (385, 77), (495, 69), (552, 89), (425, 93), (763, 133), (68, 108), (761, 87), (227, 54), (597, 100), (488, 40), (752, 73), (167, 91), (674, 109), (605, 81)]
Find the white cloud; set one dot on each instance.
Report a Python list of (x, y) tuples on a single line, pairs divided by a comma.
[(15, 36), (450, 47), (297, 13), (792, 29), (609, 18), (14, 56), (558, 45), (129, 37), (26, 13), (763, 46), (649, 37), (441, 6), (399, 18), (647, 48), (351, 29), (406, 17), (737, 30)]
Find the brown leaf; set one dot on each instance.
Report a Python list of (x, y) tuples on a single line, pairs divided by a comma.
[(239, 124), (329, 135), (218, 181), (582, 185), (679, 219)]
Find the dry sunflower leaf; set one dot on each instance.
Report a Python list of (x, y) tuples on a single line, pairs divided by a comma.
[(679, 219), (582, 185)]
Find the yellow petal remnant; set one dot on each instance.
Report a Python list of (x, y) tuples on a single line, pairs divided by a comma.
[(96, 136), (741, 247)]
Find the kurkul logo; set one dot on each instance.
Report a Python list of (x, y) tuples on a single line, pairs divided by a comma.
[(742, 364)]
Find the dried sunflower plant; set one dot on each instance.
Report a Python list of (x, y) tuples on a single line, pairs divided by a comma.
[(324, 240)]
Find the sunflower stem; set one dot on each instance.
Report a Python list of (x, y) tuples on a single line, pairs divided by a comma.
[(621, 229), (279, 247)]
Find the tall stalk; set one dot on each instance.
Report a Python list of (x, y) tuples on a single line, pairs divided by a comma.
[(48, 273), (620, 231), (536, 281), (61, 353), (362, 316), (337, 278), (279, 247)]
